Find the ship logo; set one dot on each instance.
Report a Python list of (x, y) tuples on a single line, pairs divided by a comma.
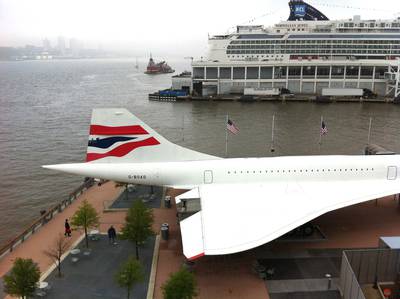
[(300, 10), (107, 141)]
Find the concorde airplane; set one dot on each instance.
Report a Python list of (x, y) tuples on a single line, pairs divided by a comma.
[(245, 202)]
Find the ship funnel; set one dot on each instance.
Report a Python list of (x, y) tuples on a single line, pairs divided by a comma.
[(300, 10)]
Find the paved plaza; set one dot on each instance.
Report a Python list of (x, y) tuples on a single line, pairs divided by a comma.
[(151, 196), (93, 276)]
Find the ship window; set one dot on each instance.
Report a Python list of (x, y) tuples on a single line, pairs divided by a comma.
[(225, 73), (337, 71), (294, 72), (266, 72), (309, 71), (198, 72), (280, 72), (252, 72), (323, 71), (366, 72), (238, 72), (211, 73)]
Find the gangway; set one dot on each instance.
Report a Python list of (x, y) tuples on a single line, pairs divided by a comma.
[(393, 78)]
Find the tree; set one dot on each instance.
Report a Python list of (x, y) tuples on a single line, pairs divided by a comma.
[(22, 279), (85, 217), (56, 251), (129, 273), (138, 225), (180, 285)]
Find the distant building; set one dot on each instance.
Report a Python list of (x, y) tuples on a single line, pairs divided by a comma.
[(75, 46), (61, 45), (46, 45)]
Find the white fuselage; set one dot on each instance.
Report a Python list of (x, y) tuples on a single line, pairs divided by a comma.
[(189, 174)]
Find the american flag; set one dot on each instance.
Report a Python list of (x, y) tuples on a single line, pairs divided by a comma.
[(324, 129), (230, 126)]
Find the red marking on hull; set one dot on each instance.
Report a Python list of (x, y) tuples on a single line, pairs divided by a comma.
[(127, 130), (196, 257), (122, 150)]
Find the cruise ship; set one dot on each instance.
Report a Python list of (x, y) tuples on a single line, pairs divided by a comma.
[(305, 54)]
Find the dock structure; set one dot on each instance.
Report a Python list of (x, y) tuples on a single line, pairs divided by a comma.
[(280, 98)]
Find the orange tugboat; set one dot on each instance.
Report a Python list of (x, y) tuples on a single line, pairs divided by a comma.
[(158, 68)]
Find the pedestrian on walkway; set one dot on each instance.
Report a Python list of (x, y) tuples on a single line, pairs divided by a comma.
[(111, 235), (67, 229)]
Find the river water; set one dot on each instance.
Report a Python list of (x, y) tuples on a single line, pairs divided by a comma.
[(45, 109)]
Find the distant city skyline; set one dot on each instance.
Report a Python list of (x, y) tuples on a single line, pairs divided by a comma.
[(159, 26)]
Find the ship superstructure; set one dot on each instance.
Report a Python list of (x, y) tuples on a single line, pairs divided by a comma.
[(304, 54), (158, 68)]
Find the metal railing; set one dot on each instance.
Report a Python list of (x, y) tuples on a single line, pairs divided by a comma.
[(44, 218)]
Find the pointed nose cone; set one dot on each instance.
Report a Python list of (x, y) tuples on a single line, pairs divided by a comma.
[(84, 169), (107, 171)]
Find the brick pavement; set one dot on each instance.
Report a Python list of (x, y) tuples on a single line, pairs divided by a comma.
[(217, 277)]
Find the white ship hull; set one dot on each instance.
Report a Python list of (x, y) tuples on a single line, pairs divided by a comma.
[(304, 54)]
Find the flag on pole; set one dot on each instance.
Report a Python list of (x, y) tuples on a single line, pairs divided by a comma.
[(230, 126), (324, 129)]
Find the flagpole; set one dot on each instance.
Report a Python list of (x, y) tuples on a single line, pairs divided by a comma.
[(183, 127), (272, 133), (320, 133), (226, 136), (369, 130)]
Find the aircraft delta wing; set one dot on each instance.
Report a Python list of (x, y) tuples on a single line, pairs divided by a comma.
[(244, 202), (239, 217)]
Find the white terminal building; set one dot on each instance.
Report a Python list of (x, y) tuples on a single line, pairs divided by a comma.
[(304, 54)]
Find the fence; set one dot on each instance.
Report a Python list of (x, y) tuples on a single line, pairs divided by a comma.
[(45, 218), (360, 267)]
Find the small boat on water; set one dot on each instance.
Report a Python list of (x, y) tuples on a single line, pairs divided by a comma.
[(137, 64), (158, 68)]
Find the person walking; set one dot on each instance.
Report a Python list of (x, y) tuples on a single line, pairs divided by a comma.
[(67, 229), (111, 235)]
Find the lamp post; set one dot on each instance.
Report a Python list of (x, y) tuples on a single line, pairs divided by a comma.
[(329, 277)]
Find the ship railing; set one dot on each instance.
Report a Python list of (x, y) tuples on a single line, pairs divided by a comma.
[(45, 217)]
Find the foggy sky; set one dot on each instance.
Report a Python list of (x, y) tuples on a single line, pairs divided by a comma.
[(167, 26)]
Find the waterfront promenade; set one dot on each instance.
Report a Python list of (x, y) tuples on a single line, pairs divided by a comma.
[(216, 277), (44, 238)]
